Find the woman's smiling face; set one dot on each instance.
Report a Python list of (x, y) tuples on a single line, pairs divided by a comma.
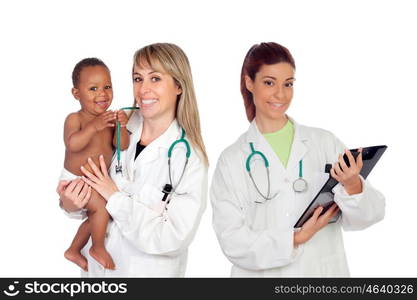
[(272, 90), (155, 91)]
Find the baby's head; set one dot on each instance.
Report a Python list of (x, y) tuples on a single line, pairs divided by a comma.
[(92, 85)]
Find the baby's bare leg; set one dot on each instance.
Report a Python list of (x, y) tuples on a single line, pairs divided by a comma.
[(98, 218), (73, 253)]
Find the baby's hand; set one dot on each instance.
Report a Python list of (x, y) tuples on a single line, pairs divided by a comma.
[(122, 118), (104, 120)]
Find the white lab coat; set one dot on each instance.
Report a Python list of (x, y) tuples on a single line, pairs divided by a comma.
[(258, 238), (147, 239)]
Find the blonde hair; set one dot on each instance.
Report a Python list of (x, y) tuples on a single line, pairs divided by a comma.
[(175, 63)]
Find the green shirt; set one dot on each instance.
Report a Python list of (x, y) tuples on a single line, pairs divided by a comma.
[(281, 141)]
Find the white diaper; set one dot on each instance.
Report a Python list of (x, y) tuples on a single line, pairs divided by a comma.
[(67, 175)]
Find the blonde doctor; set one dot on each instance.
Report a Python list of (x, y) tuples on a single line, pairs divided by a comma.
[(255, 206), (151, 230)]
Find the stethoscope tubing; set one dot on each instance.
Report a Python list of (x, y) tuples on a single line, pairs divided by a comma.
[(119, 165), (171, 148), (266, 163)]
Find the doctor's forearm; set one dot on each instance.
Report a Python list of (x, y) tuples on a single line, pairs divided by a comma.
[(354, 188), (300, 237), (297, 239), (360, 211)]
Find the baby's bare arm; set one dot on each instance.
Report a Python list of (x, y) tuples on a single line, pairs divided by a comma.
[(77, 138), (124, 138)]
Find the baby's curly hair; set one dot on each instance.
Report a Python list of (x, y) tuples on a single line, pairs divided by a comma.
[(86, 62)]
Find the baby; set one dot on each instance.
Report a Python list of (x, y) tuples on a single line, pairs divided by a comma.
[(90, 133)]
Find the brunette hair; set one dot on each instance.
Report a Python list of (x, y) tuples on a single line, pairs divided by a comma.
[(258, 55)]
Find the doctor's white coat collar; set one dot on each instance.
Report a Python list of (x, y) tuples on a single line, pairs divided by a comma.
[(151, 152), (298, 149)]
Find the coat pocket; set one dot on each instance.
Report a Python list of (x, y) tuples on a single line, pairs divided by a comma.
[(151, 196)]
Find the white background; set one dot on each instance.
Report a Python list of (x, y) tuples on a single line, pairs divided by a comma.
[(356, 72)]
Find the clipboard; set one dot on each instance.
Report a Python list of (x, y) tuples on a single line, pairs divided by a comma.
[(324, 198)]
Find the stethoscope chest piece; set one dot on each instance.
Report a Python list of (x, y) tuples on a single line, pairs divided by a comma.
[(300, 185)]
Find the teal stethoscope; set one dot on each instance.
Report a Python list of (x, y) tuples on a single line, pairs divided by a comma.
[(299, 185), (168, 187)]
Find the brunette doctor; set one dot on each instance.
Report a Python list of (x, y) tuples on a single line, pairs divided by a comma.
[(265, 180), (156, 202)]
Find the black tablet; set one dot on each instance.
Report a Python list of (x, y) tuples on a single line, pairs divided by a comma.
[(324, 198)]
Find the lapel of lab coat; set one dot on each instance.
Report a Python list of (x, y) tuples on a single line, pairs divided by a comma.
[(299, 149), (155, 149)]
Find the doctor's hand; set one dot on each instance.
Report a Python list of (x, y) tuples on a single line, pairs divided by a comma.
[(74, 194), (100, 180), (349, 176), (314, 224)]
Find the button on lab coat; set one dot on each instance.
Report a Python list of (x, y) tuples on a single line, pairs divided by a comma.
[(258, 238), (148, 237)]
